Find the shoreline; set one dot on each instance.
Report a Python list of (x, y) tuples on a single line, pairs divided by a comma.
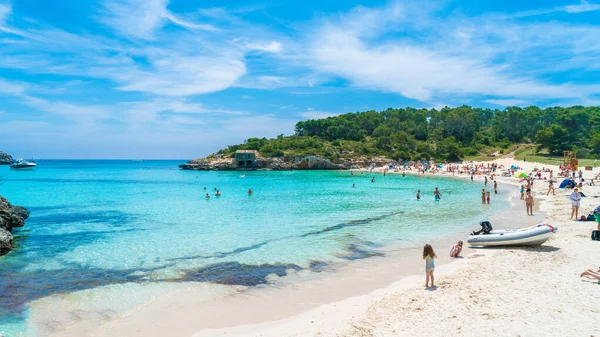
[(387, 267), (499, 291)]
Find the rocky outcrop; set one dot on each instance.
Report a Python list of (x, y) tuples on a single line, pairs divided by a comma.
[(5, 159), (10, 217), (286, 163)]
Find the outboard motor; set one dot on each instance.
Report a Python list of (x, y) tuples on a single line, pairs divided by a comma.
[(486, 228)]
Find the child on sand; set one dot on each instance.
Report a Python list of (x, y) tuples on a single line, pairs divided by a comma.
[(455, 251), (529, 203), (429, 256)]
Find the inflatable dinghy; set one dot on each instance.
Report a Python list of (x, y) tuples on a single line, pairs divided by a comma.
[(529, 236)]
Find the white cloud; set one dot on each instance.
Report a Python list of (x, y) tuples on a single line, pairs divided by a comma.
[(182, 75), (140, 18), (134, 18), (270, 47), (187, 24), (437, 65), (5, 10), (584, 6), (10, 88), (507, 102)]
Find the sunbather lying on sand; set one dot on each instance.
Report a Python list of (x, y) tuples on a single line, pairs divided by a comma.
[(591, 274)]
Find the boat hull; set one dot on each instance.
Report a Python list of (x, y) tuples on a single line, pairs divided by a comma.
[(22, 167), (530, 236)]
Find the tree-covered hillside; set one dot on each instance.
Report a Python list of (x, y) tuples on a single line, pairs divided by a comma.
[(446, 134)]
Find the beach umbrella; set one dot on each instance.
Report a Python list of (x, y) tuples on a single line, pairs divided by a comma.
[(522, 175)]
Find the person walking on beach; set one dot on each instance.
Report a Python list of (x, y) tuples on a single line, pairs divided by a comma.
[(495, 187), (529, 203), (437, 194), (419, 195), (575, 201), (550, 188), (429, 257), (483, 195)]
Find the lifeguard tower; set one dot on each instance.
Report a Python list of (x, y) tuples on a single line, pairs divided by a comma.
[(570, 159)]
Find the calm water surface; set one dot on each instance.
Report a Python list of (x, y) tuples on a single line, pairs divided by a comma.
[(96, 223)]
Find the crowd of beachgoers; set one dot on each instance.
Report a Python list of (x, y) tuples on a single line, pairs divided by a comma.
[(525, 176)]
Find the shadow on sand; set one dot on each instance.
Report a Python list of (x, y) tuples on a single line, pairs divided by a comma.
[(544, 249)]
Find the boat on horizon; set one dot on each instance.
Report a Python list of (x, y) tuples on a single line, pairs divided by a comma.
[(22, 164)]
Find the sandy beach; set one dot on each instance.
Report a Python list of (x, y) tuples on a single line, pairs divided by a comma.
[(503, 291), (491, 292)]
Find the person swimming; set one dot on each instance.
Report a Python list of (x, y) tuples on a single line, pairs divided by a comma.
[(353, 185), (218, 194), (250, 191), (207, 196)]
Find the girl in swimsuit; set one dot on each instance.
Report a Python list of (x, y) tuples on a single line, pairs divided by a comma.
[(429, 257)]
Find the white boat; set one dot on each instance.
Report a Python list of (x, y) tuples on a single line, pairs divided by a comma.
[(528, 236), (22, 164)]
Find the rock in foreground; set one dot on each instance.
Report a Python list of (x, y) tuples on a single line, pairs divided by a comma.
[(5, 159), (10, 217)]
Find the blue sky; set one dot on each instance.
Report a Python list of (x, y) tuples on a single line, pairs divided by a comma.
[(182, 78)]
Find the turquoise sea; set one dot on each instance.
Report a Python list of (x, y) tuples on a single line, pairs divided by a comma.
[(95, 223)]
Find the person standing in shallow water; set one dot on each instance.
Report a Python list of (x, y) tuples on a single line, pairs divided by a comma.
[(485, 181), (495, 187), (437, 194), (419, 195), (483, 195), (250, 191), (529, 203), (373, 179)]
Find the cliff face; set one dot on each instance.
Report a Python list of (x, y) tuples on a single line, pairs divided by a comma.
[(10, 217), (295, 163), (5, 159)]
